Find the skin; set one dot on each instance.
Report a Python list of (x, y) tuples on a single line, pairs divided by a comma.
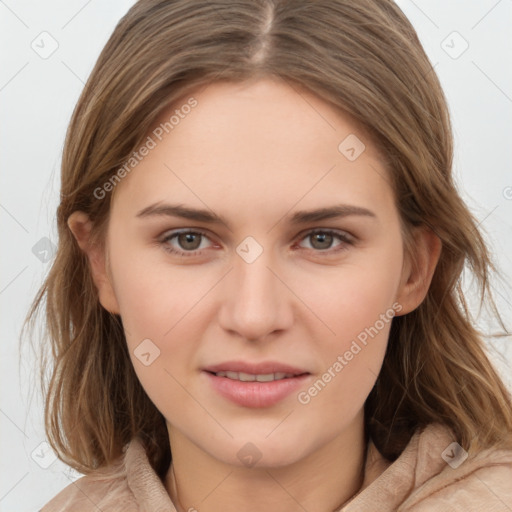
[(255, 153)]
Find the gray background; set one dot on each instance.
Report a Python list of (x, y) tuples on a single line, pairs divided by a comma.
[(37, 94)]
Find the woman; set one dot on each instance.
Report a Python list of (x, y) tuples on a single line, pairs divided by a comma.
[(256, 301)]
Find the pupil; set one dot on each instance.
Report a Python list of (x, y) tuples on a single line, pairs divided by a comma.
[(324, 239), (189, 238)]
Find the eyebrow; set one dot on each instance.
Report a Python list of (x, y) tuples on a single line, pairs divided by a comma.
[(208, 216)]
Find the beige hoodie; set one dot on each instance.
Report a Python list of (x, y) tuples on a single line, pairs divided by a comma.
[(430, 475)]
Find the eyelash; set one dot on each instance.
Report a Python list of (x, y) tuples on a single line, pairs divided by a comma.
[(343, 237)]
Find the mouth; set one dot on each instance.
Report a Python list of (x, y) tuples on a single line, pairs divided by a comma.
[(255, 385)]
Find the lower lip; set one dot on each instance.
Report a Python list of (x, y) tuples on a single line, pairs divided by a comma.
[(255, 394)]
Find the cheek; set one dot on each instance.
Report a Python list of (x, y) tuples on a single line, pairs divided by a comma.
[(350, 298), (357, 303), (155, 298), (360, 310), (155, 306), (160, 309)]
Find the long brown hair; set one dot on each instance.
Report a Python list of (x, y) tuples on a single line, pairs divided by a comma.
[(363, 57)]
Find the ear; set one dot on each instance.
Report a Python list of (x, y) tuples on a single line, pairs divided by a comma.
[(81, 226), (418, 269)]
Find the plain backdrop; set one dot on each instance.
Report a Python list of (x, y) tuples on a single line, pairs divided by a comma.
[(47, 52)]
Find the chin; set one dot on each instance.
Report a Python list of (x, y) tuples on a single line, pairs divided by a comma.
[(261, 453)]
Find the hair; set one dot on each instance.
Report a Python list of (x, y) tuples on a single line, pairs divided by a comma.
[(362, 57)]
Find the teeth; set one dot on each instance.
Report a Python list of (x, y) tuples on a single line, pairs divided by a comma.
[(249, 377), (269, 377), (246, 377)]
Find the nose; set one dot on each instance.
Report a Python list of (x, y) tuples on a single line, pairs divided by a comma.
[(256, 301)]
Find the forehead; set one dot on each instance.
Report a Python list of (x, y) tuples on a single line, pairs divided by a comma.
[(255, 146)]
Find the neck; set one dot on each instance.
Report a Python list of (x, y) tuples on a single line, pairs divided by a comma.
[(322, 481)]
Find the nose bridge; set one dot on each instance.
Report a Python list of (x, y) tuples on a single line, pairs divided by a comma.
[(256, 303)]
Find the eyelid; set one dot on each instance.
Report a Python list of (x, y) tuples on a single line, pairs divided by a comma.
[(178, 231), (335, 231)]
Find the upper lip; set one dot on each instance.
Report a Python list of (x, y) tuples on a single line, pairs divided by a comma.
[(263, 368)]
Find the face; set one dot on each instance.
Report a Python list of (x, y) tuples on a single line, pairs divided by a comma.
[(246, 281)]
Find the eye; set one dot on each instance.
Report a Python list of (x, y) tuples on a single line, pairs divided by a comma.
[(184, 243), (191, 242), (323, 239)]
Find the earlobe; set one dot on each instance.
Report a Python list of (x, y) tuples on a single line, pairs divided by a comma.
[(81, 226), (418, 273)]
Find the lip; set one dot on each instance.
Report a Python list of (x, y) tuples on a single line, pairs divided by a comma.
[(255, 394)]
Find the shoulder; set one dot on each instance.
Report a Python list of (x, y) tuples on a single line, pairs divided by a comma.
[(106, 489), (434, 473), (448, 478), (130, 485), (487, 489)]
